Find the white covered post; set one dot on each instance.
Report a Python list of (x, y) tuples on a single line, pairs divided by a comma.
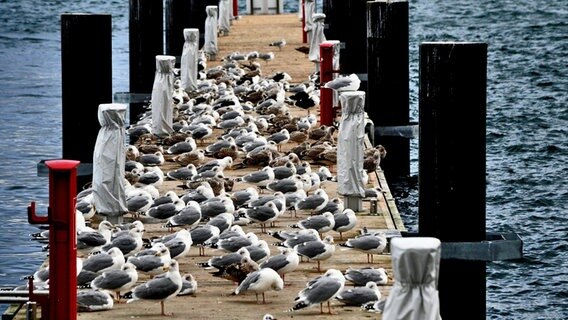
[(309, 6), (162, 96), (350, 149), (108, 163), (416, 266), (224, 17), (210, 46), (316, 38), (188, 63)]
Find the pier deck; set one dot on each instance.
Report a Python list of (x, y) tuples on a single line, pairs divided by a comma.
[(214, 299)]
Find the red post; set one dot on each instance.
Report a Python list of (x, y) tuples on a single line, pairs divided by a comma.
[(62, 238), (327, 70), (304, 33), (235, 8)]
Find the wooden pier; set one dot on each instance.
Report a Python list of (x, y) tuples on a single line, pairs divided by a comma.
[(213, 299)]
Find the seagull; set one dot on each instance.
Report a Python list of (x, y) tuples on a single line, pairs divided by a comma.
[(105, 261), (152, 264), (238, 271), (319, 290), (160, 288), (93, 300), (263, 214), (183, 174), (321, 223), (89, 241), (370, 244), (117, 281), (179, 246), (360, 295), (361, 276), (189, 285), (344, 221), (261, 281), (285, 262), (223, 261), (203, 233), (128, 244), (316, 250), (152, 159), (259, 178), (314, 202), (344, 83), (188, 217), (266, 56), (301, 237), (279, 43)]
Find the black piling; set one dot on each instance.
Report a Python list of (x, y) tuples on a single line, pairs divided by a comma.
[(346, 22), (387, 65), (86, 82), (452, 165), (181, 14), (146, 40)]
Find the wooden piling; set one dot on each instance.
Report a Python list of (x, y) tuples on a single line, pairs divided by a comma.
[(346, 21), (452, 165), (387, 65), (181, 14), (86, 82), (146, 41)]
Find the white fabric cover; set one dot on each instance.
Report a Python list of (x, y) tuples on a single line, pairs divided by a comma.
[(416, 265), (350, 144), (210, 45), (224, 16), (188, 63), (317, 37), (108, 161), (162, 96), (309, 9), (231, 11)]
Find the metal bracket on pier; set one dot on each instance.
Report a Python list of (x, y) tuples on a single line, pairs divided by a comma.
[(497, 246), (128, 97), (410, 131)]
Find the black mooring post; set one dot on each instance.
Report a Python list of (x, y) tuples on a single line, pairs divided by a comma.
[(86, 82), (387, 65), (346, 22), (177, 18), (452, 107), (181, 14), (146, 40)]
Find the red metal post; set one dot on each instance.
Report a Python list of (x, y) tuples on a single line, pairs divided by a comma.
[(327, 112), (235, 8), (62, 238), (304, 33)]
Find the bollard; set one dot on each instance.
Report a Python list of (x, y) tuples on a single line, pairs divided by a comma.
[(329, 67), (235, 8), (309, 10), (388, 74), (86, 82), (346, 21), (62, 238), (350, 146), (162, 96), (304, 34), (452, 177), (146, 41)]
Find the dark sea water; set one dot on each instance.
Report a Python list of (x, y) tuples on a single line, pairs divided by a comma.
[(527, 124)]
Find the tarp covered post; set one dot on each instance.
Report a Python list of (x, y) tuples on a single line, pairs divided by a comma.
[(309, 6), (188, 63), (350, 147), (162, 96), (316, 39), (416, 265), (210, 45), (108, 163), (224, 17)]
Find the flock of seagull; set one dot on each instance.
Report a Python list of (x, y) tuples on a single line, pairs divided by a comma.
[(237, 119)]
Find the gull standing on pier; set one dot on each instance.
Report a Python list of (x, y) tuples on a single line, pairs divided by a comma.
[(370, 244), (160, 288), (261, 281), (319, 290)]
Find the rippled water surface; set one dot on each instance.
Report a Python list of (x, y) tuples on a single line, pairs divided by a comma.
[(527, 123)]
